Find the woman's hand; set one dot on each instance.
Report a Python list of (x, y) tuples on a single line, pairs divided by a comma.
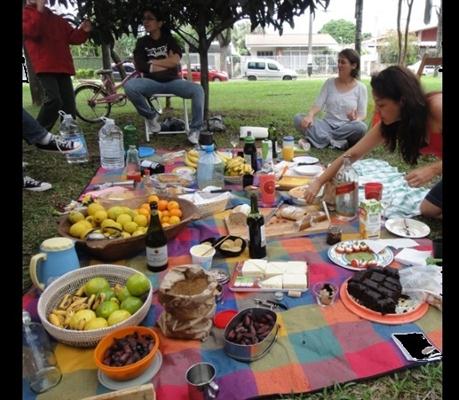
[(311, 192), (307, 121), (352, 115), (420, 176), (86, 26)]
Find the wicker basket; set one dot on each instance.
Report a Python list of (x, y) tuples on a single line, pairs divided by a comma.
[(70, 283), (118, 249), (235, 180)]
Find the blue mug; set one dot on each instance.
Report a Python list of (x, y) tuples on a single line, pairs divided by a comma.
[(57, 257)]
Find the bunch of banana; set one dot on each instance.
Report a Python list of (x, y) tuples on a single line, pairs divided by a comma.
[(223, 157), (71, 303), (192, 158), (237, 166)]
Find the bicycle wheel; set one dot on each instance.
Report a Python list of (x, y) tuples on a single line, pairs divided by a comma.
[(90, 106)]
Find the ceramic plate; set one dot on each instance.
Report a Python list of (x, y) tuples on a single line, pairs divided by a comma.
[(413, 228), (383, 258), (403, 314), (184, 170), (297, 194), (146, 377), (309, 170), (305, 160)]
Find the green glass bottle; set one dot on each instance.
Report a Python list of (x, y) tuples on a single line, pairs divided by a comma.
[(156, 242), (256, 224), (272, 135)]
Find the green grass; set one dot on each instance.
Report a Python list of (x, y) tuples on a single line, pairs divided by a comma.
[(240, 103)]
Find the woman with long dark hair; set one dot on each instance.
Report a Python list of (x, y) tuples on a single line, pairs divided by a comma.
[(344, 100), (410, 120)]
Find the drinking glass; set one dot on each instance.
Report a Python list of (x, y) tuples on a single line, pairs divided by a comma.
[(234, 140)]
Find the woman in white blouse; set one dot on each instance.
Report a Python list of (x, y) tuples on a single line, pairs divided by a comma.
[(344, 100)]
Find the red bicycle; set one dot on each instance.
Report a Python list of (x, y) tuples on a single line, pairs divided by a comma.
[(95, 100)]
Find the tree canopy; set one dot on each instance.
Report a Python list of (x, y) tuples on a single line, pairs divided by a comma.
[(341, 30)]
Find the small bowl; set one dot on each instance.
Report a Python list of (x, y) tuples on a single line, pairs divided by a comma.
[(129, 371), (228, 253), (321, 291)]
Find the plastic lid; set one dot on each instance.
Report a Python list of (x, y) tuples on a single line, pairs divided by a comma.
[(222, 318), (288, 138), (57, 244), (206, 138), (146, 151)]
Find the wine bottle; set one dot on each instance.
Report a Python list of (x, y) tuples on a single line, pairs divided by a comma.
[(272, 135), (156, 242), (256, 224)]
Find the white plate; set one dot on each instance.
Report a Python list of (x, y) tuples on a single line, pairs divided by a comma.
[(297, 194), (147, 376), (384, 257), (305, 160), (309, 170), (416, 229)]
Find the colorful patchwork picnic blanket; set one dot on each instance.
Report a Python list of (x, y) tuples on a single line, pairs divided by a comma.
[(316, 347), (400, 200)]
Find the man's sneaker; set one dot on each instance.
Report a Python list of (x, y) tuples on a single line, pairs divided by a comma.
[(193, 136), (152, 126), (339, 144), (58, 145), (34, 185), (24, 164)]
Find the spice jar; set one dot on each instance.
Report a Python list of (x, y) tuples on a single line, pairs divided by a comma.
[(334, 234)]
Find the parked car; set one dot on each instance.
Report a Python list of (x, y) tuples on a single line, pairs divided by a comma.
[(265, 68), (214, 74), (128, 67), (428, 69)]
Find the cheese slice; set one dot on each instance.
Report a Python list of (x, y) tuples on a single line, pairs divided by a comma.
[(253, 267), (295, 267), (274, 282), (294, 281), (275, 268)]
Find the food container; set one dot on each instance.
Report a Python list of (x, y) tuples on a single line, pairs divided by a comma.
[(69, 283), (255, 351), (227, 251), (117, 249), (129, 371)]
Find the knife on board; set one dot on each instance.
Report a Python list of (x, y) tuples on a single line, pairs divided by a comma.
[(273, 212)]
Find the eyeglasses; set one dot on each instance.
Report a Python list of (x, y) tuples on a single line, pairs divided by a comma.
[(149, 19)]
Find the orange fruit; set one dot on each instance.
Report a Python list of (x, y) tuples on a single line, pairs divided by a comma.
[(162, 205), (165, 213), (175, 212), (144, 211), (172, 204), (145, 205), (174, 220), (153, 197), (164, 219)]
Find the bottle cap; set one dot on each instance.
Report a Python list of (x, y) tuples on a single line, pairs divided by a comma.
[(206, 138), (288, 138), (249, 139)]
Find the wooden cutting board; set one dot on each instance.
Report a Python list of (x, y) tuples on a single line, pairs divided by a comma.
[(277, 227)]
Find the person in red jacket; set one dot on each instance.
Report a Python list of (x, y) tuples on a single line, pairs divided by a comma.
[(47, 38)]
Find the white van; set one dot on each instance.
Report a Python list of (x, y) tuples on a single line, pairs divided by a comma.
[(265, 68)]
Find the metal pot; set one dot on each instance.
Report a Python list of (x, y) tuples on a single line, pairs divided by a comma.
[(255, 351)]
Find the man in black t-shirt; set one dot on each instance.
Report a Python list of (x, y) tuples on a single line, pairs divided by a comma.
[(157, 55)]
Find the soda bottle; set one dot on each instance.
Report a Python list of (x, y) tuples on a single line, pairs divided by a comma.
[(69, 130), (129, 135), (39, 365), (256, 224), (346, 191), (272, 136), (156, 242), (211, 169), (133, 164), (250, 151), (111, 145)]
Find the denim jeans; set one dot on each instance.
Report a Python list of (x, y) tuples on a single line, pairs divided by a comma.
[(32, 131), (139, 89)]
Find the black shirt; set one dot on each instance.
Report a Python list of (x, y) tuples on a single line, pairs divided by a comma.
[(147, 48)]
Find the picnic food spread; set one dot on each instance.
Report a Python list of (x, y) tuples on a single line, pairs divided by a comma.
[(188, 296)]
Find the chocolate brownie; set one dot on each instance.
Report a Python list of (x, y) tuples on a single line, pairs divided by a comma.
[(376, 288)]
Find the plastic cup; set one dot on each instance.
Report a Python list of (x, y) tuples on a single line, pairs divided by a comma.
[(267, 184), (373, 190), (202, 254), (325, 293)]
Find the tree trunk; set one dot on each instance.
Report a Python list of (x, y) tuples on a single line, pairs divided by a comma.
[(405, 47), (223, 55), (36, 91), (106, 64), (204, 62), (399, 31), (358, 27), (116, 59)]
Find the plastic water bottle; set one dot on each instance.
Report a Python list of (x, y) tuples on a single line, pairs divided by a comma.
[(210, 171), (133, 164), (39, 365), (69, 130), (111, 145)]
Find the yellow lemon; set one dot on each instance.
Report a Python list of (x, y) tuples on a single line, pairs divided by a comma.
[(130, 226), (138, 232), (125, 235), (100, 216), (75, 216), (132, 213), (141, 220), (174, 220), (123, 218), (91, 220), (114, 212), (86, 232), (77, 229), (94, 207)]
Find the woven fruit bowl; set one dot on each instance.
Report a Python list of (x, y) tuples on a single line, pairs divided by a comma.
[(117, 249), (70, 283), (233, 179)]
